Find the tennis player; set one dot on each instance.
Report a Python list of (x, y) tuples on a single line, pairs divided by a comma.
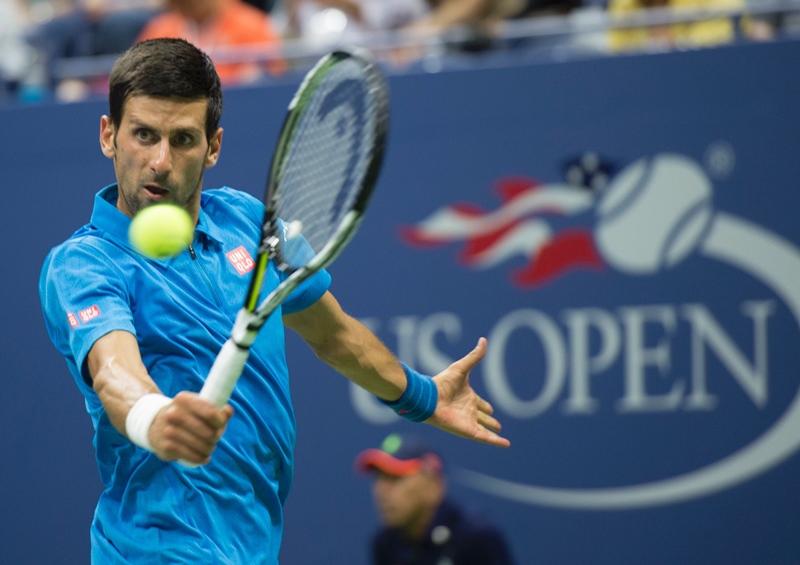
[(139, 336)]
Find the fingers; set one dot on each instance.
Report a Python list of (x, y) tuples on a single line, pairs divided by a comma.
[(463, 412), (189, 429), (484, 406), (488, 426), (472, 420), (178, 441), (202, 410), (486, 436), (488, 422)]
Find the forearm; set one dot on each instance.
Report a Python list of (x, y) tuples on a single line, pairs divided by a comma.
[(446, 401), (184, 427), (362, 358), (349, 347), (118, 375)]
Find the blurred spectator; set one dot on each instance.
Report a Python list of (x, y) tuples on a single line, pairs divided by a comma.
[(322, 21), (16, 55), (86, 28), (701, 33), (310, 18), (768, 26), (445, 14), (421, 525), (263, 5), (215, 26), (512, 9), (422, 26), (119, 22), (518, 10)]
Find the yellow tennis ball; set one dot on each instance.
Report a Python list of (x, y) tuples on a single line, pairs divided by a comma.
[(161, 230)]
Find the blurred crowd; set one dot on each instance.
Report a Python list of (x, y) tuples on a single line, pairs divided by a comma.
[(250, 40)]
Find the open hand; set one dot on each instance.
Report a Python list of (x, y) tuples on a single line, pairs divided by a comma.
[(460, 410)]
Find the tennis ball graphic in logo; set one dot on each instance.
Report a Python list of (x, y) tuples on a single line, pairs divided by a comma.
[(653, 214)]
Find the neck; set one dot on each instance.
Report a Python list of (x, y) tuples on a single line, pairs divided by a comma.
[(418, 529)]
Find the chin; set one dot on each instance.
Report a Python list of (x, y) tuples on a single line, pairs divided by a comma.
[(391, 521)]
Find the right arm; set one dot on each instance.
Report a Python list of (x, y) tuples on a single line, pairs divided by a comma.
[(188, 428)]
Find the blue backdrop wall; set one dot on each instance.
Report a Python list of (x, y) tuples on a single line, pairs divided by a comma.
[(623, 231)]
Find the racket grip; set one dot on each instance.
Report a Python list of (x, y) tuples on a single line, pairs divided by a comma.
[(224, 373), (222, 378)]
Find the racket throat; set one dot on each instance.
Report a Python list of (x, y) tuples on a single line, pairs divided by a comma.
[(245, 329)]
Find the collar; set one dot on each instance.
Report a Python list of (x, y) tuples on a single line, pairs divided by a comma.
[(206, 226), (108, 218)]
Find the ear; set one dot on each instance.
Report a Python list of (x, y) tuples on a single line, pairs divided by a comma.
[(107, 137), (214, 147)]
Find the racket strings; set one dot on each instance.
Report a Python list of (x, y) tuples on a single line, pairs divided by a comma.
[(326, 161)]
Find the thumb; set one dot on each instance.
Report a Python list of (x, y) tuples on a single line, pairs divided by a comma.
[(468, 362)]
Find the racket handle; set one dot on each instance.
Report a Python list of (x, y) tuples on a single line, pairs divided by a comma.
[(224, 373), (222, 378)]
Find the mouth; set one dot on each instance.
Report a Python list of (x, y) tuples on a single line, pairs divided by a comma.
[(155, 192)]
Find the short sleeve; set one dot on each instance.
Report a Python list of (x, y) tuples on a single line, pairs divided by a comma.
[(297, 250), (84, 297)]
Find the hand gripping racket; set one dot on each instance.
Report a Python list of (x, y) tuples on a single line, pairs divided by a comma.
[(322, 175)]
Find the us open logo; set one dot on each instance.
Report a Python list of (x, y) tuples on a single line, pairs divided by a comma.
[(651, 217)]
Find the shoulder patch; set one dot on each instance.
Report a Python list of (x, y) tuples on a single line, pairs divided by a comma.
[(88, 314)]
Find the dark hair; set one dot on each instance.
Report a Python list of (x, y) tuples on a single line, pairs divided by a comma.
[(165, 68)]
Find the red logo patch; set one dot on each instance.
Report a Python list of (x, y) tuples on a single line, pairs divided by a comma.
[(73, 321), (241, 260), (89, 313)]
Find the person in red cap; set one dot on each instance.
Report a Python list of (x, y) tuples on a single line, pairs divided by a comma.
[(421, 525)]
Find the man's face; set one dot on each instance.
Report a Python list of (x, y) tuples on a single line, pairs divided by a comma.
[(160, 152), (408, 502)]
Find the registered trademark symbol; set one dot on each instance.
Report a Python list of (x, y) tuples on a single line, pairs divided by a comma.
[(719, 159)]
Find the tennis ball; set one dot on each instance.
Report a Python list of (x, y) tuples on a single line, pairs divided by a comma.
[(161, 230)]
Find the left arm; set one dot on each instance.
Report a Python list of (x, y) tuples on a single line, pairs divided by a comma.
[(353, 350), (349, 347)]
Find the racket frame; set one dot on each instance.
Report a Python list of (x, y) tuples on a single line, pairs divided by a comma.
[(231, 359)]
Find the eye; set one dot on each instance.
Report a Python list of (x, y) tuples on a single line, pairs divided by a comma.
[(183, 140), (144, 135)]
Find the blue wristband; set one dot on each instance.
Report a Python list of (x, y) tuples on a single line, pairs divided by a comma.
[(419, 399)]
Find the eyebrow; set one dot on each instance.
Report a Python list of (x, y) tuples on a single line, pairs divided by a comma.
[(189, 129)]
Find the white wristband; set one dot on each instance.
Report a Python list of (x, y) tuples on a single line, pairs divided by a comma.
[(141, 415)]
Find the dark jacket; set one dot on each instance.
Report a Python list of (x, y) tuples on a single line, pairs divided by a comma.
[(454, 538)]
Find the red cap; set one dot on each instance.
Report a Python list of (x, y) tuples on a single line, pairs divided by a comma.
[(398, 456)]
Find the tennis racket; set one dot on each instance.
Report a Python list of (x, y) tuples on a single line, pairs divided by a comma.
[(323, 172)]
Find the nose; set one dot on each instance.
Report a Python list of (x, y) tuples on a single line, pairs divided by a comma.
[(161, 160), (381, 487)]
